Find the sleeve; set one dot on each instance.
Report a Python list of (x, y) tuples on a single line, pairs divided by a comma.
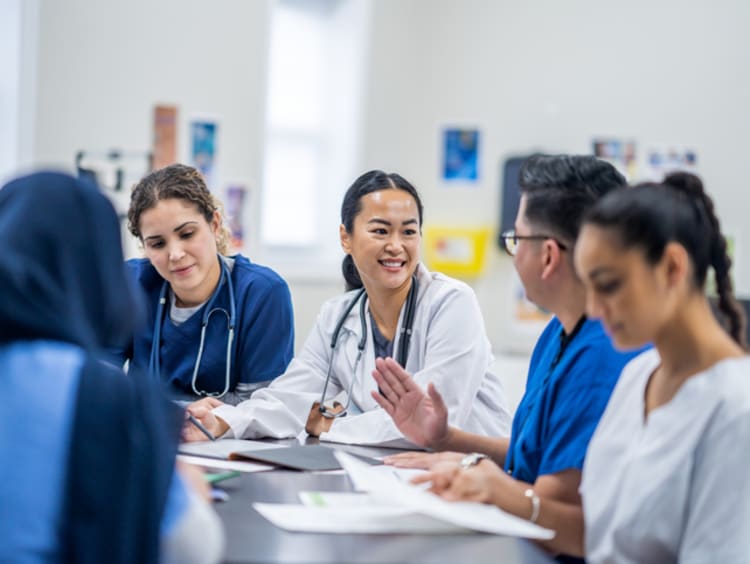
[(456, 360), (191, 532), (718, 517), (575, 410), (267, 328), (281, 409)]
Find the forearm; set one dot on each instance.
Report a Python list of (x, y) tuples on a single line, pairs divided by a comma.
[(563, 517), (460, 441)]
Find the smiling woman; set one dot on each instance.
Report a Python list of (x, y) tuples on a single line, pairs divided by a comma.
[(430, 323), (219, 326)]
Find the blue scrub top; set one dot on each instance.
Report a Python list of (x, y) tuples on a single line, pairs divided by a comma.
[(563, 401), (263, 334)]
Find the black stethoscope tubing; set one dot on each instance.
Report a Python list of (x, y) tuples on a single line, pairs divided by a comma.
[(403, 345)]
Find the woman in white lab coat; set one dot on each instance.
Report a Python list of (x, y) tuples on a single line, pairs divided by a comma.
[(394, 307)]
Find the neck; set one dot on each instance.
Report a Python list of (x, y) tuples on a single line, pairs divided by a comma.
[(572, 306), (693, 341), (203, 291), (385, 307)]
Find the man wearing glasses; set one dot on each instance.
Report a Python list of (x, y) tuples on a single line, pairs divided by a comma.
[(572, 372)]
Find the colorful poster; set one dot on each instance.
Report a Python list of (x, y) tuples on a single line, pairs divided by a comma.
[(165, 136), (203, 148), (661, 162), (618, 152), (235, 202), (461, 155)]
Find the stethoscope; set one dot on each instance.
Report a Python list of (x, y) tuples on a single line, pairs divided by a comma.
[(208, 311), (403, 345)]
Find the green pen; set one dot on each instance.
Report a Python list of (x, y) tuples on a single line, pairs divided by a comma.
[(216, 477)]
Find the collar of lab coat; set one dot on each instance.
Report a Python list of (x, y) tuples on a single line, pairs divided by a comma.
[(351, 331)]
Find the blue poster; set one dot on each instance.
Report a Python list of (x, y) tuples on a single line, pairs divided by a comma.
[(461, 154), (203, 148)]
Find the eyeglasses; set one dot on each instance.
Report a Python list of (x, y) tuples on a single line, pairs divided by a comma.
[(510, 241)]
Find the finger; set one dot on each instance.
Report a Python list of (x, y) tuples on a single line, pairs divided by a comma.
[(382, 402), (421, 479), (384, 386), (437, 399), (409, 460), (401, 375), (387, 369), (213, 402)]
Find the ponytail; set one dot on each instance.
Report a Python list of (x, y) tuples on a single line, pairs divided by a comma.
[(351, 274), (719, 258)]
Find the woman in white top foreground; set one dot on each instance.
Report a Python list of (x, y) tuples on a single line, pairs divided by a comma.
[(394, 307), (666, 473)]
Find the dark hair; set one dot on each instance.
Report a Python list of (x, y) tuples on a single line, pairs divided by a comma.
[(369, 182), (560, 188), (651, 215), (175, 181)]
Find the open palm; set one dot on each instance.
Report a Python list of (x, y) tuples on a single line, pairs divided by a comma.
[(421, 416)]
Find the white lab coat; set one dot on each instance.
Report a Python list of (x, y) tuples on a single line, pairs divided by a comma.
[(449, 347)]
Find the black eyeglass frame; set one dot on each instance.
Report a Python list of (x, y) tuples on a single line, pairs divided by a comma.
[(511, 234)]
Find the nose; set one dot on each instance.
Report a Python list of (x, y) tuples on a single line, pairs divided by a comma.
[(594, 306), (394, 244), (176, 252)]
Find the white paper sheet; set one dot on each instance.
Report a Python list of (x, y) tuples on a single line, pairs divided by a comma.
[(217, 463), (353, 519), (222, 448), (476, 516)]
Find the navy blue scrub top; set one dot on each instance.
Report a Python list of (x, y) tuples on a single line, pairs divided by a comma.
[(264, 331)]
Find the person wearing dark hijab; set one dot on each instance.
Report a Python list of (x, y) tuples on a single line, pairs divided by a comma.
[(88, 453)]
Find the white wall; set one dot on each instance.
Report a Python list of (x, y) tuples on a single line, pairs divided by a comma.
[(541, 74)]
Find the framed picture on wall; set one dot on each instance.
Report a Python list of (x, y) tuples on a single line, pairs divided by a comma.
[(460, 148)]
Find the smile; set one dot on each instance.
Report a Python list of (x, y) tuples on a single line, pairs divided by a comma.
[(182, 271), (392, 263)]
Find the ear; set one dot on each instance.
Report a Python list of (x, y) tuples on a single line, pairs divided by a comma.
[(675, 264), (216, 222), (551, 256), (345, 239)]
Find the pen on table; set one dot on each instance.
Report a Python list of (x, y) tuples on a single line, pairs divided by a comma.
[(200, 426)]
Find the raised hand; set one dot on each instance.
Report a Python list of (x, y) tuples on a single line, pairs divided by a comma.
[(421, 417)]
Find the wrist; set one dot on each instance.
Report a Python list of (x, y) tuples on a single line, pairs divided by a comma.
[(445, 441), (531, 495)]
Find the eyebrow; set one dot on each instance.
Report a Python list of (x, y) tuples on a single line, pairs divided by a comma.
[(386, 222), (601, 270), (175, 230)]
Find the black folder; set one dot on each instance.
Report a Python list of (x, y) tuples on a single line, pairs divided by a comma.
[(302, 457)]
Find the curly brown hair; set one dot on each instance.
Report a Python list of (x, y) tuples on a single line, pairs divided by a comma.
[(176, 181)]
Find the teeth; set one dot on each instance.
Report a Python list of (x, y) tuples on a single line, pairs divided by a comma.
[(391, 263)]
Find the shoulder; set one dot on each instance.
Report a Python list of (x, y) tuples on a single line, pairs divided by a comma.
[(246, 274), (729, 383), (437, 288), (143, 273)]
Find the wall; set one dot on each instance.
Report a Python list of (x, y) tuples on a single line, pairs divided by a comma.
[(542, 74)]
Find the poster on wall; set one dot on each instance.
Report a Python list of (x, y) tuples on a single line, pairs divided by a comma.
[(165, 136), (619, 152), (662, 161), (203, 148), (236, 197), (460, 155)]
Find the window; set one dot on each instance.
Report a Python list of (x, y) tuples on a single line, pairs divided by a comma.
[(315, 76)]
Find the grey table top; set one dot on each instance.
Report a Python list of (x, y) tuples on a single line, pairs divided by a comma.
[(251, 538)]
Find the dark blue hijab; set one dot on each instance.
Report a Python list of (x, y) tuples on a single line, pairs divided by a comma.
[(62, 278), (61, 269)]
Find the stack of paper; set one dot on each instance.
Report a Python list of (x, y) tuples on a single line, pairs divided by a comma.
[(392, 506)]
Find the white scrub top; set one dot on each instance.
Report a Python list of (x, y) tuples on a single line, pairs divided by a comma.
[(676, 487), (449, 347)]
